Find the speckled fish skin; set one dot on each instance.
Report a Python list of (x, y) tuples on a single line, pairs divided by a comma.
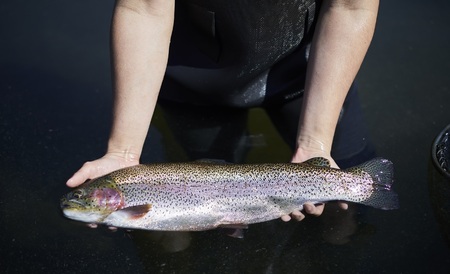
[(204, 195)]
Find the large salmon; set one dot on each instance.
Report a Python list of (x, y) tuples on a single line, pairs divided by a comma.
[(204, 195)]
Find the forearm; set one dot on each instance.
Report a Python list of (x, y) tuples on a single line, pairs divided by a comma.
[(340, 42), (141, 33)]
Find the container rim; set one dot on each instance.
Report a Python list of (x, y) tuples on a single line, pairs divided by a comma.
[(440, 152)]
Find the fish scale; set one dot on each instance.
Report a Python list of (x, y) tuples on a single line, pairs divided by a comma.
[(206, 194)]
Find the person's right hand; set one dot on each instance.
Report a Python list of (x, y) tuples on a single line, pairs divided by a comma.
[(108, 163)]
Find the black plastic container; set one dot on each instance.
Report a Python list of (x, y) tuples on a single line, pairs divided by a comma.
[(439, 180)]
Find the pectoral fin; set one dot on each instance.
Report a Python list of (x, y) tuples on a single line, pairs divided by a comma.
[(134, 212)]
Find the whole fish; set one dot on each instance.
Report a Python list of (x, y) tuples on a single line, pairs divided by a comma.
[(204, 195)]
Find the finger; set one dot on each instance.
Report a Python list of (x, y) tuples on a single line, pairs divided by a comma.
[(312, 209), (74, 181), (285, 218), (297, 215), (80, 176), (112, 228), (343, 205), (77, 179)]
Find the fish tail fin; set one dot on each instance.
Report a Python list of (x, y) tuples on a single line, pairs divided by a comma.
[(382, 173)]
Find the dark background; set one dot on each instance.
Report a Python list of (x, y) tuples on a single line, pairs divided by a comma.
[(55, 105)]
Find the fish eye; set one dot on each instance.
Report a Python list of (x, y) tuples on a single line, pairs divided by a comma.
[(77, 194)]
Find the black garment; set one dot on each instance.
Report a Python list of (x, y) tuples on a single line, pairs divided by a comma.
[(238, 53), (229, 55)]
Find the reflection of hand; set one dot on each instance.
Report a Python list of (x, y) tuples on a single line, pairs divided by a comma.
[(300, 156), (108, 163)]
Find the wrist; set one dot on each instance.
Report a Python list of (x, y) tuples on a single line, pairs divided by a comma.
[(128, 153), (309, 147)]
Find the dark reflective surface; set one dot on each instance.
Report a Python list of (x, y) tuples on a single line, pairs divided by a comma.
[(54, 114)]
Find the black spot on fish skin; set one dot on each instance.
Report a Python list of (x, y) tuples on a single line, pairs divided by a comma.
[(201, 189)]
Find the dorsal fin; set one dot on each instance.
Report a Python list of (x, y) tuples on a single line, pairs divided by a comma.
[(318, 161)]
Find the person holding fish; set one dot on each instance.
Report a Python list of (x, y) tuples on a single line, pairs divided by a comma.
[(297, 59)]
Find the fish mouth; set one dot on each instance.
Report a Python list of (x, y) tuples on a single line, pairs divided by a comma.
[(77, 210), (66, 204)]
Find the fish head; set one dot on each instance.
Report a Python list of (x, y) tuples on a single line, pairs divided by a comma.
[(93, 201)]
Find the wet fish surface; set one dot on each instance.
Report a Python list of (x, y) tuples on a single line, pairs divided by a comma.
[(204, 195)]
